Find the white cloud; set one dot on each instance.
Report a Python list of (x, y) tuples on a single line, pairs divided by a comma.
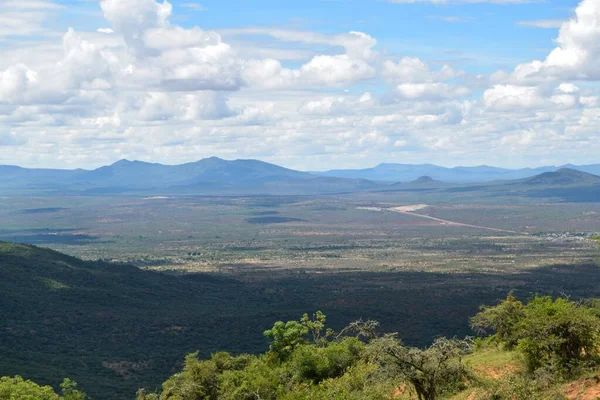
[(512, 97), (169, 93), (430, 91), (542, 23), (194, 6), (578, 53), (515, 98), (412, 69), (132, 18), (25, 17)]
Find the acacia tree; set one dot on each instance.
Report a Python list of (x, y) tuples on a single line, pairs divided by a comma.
[(431, 372), (502, 320)]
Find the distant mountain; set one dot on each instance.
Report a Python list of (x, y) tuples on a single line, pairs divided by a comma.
[(208, 176), (484, 173), (215, 176), (563, 177)]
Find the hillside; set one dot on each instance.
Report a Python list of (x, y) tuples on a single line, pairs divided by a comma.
[(563, 177), (114, 328), (63, 317), (543, 349)]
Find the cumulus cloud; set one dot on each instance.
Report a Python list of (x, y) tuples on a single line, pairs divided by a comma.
[(513, 97), (132, 18), (429, 91), (145, 87), (331, 70), (577, 55)]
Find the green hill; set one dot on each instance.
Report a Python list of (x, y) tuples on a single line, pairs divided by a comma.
[(115, 328), (63, 317)]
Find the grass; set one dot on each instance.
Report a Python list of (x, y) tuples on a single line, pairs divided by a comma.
[(493, 363)]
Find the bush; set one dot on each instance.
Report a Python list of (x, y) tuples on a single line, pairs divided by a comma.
[(558, 335), (316, 364)]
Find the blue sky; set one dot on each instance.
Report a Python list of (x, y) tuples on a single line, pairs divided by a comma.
[(311, 85)]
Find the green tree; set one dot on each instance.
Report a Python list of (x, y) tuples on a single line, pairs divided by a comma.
[(286, 337), (70, 391), (315, 326), (315, 364), (557, 332), (199, 380), (501, 319), (19, 389), (431, 372)]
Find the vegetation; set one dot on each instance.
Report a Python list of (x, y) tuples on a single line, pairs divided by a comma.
[(535, 350), (16, 388), (302, 363), (128, 328), (556, 334), (540, 345)]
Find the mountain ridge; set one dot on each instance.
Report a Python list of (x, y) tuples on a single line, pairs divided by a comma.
[(255, 177)]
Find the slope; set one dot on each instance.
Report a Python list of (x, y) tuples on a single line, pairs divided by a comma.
[(126, 328)]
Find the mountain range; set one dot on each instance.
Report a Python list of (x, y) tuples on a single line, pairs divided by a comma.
[(483, 173), (213, 175)]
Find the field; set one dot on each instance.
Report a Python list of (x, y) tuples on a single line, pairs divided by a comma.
[(422, 268), (321, 234)]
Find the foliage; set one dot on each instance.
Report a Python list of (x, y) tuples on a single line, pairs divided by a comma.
[(17, 388), (315, 326), (70, 391), (431, 372), (325, 367), (114, 328), (200, 379), (286, 337), (366, 330), (501, 319), (315, 364), (556, 335)]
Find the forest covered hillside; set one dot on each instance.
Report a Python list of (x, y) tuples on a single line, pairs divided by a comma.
[(545, 348)]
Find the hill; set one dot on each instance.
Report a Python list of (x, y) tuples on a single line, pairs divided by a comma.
[(563, 177), (390, 172), (63, 317), (208, 176), (425, 180), (114, 328)]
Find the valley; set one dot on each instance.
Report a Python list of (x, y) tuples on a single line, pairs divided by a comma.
[(160, 275)]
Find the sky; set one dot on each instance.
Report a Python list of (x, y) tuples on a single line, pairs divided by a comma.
[(310, 85)]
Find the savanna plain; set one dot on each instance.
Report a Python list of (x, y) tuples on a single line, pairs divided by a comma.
[(216, 271)]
